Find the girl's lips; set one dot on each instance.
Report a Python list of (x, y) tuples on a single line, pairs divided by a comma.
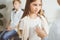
[(36, 10)]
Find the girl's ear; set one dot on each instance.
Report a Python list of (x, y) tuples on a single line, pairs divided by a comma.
[(58, 2)]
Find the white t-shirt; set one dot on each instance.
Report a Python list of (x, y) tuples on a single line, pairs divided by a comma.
[(28, 26)]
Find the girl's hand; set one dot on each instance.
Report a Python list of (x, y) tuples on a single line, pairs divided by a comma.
[(9, 28), (40, 32)]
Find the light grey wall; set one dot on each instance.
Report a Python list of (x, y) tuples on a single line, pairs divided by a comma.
[(50, 7)]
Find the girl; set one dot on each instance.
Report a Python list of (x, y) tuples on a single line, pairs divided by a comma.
[(31, 23), (16, 15)]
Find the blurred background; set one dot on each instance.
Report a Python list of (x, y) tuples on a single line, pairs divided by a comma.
[(50, 7)]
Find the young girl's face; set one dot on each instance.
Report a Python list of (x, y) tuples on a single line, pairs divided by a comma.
[(16, 5), (35, 6)]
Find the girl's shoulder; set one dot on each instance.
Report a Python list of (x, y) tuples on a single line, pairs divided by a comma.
[(25, 18), (43, 18), (20, 10)]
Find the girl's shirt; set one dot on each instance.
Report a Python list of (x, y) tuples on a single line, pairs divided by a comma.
[(15, 18), (28, 25)]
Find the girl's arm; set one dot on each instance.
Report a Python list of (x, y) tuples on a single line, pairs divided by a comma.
[(25, 30)]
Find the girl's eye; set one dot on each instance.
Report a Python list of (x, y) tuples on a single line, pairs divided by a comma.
[(40, 4), (35, 4)]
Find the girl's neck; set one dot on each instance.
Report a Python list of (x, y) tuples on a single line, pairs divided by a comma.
[(16, 10), (33, 15)]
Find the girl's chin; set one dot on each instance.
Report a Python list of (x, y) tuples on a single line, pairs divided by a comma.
[(36, 12)]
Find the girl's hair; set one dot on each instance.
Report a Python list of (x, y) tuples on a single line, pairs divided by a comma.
[(16, 0), (42, 14), (27, 8)]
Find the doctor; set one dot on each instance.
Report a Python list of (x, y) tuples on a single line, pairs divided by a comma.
[(54, 33)]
